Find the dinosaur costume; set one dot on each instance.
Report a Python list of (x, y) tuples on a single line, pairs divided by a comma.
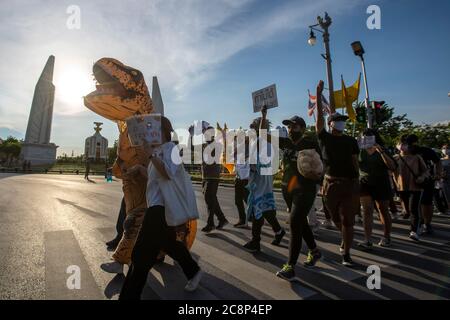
[(121, 93)]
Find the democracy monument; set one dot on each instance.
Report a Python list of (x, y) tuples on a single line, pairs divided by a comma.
[(37, 148)]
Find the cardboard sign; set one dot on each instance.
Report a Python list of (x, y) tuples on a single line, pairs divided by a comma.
[(366, 142), (265, 97), (144, 128)]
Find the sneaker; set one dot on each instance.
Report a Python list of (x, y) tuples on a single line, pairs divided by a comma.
[(366, 245), (327, 224), (222, 224), (347, 261), (278, 237), (341, 247), (312, 258), (287, 272), (384, 242), (112, 267), (414, 236), (252, 246), (194, 282), (208, 228)]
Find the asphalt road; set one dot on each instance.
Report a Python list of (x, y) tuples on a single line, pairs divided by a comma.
[(53, 227)]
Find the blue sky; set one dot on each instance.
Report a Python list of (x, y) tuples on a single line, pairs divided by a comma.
[(209, 55)]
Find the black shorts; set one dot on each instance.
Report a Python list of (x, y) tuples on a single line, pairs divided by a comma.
[(378, 193), (427, 194)]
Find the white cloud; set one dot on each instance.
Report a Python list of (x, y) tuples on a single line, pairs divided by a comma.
[(181, 41)]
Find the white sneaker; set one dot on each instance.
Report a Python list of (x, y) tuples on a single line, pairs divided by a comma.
[(112, 267), (384, 242), (414, 236), (327, 224), (193, 283)]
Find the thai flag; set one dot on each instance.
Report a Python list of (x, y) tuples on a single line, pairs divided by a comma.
[(312, 104)]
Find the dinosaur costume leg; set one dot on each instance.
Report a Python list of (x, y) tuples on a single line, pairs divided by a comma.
[(135, 201)]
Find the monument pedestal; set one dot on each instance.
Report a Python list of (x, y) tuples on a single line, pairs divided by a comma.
[(39, 154)]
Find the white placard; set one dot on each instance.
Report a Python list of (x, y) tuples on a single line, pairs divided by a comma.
[(366, 142), (144, 128), (265, 97)]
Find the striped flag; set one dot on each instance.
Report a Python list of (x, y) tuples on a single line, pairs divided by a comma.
[(312, 104)]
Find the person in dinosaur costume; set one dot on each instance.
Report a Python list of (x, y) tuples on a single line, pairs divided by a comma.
[(121, 92)]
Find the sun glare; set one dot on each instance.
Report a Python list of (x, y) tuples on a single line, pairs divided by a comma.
[(72, 84)]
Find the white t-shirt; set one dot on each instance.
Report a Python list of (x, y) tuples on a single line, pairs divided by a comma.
[(171, 159)]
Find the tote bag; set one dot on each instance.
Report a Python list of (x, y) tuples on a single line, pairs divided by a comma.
[(179, 198)]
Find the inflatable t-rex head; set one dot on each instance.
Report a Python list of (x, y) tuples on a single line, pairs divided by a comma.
[(121, 91)]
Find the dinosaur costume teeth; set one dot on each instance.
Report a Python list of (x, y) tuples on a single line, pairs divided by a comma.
[(121, 92)]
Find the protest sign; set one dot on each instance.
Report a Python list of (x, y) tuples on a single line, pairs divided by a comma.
[(265, 97), (144, 128)]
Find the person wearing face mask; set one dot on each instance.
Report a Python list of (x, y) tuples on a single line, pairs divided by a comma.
[(261, 200), (341, 186), (302, 191), (433, 163), (375, 188), (411, 171)]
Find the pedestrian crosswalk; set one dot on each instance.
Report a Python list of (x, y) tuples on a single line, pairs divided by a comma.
[(223, 250)]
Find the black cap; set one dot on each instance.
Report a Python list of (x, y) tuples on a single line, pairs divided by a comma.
[(295, 120), (337, 117)]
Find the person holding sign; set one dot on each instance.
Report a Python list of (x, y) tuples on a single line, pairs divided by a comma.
[(375, 187), (261, 201), (341, 185), (171, 203)]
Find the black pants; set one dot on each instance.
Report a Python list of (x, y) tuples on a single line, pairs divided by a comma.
[(411, 200), (121, 219), (154, 236), (271, 218), (287, 196), (240, 197), (210, 188), (302, 202)]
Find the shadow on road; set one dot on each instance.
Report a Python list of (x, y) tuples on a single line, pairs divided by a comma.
[(114, 286)]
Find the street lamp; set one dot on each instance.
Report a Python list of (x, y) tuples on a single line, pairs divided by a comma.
[(358, 50), (312, 39), (324, 23)]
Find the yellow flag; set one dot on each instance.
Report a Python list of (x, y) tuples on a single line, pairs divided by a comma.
[(346, 100), (352, 94)]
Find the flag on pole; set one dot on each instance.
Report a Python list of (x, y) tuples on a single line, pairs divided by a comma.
[(346, 99), (312, 104), (352, 94)]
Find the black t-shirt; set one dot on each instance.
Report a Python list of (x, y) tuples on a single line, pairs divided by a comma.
[(337, 154), (290, 155)]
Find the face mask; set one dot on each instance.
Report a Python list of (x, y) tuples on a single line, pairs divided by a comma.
[(295, 135), (338, 125), (403, 147)]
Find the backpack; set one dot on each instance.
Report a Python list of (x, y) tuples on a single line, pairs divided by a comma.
[(309, 164)]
